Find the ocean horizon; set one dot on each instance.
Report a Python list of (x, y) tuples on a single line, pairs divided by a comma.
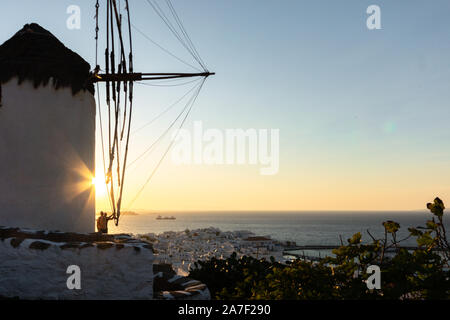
[(302, 227)]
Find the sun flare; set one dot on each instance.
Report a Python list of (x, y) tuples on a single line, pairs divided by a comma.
[(100, 186)]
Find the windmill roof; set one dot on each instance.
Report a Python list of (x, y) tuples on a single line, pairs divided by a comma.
[(35, 54)]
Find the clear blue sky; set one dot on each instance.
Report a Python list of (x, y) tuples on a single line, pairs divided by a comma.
[(357, 109)]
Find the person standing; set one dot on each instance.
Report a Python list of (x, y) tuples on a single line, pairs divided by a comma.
[(102, 223), (99, 222)]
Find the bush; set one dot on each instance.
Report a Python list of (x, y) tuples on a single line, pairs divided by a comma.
[(420, 274)]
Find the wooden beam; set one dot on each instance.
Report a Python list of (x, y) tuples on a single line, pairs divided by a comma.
[(146, 76)]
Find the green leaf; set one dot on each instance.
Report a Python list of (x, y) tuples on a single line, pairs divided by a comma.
[(414, 232), (437, 207), (431, 225), (391, 226), (355, 239), (425, 239)]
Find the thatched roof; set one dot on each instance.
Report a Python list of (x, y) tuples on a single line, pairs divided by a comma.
[(35, 54)]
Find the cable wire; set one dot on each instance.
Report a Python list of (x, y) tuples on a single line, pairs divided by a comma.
[(163, 17), (168, 129), (168, 148), (165, 110), (185, 33)]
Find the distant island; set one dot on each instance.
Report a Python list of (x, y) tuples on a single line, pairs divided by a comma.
[(126, 213), (165, 218), (129, 213)]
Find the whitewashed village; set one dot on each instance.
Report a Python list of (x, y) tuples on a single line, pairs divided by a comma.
[(183, 248)]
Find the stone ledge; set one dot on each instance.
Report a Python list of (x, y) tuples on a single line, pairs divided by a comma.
[(70, 240), (167, 285), (36, 269)]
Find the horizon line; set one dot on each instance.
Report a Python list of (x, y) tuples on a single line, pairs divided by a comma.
[(269, 211)]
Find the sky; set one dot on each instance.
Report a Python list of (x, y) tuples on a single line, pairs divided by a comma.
[(362, 114)]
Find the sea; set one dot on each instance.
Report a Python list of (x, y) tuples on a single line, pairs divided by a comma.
[(301, 227)]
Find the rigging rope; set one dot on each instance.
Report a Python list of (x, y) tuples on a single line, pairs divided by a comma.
[(119, 201), (163, 17), (165, 110), (167, 85), (164, 49), (186, 35), (97, 68), (97, 6), (169, 147), (168, 129), (115, 87)]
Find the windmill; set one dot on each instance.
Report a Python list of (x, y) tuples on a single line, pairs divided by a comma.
[(119, 78)]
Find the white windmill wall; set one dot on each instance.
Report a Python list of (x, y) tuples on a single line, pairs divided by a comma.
[(47, 152)]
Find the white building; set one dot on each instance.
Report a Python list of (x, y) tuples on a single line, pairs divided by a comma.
[(47, 134), (258, 242)]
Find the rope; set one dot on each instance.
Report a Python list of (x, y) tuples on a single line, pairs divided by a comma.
[(168, 148), (186, 35), (119, 201), (118, 152), (97, 6), (165, 110), (114, 97), (167, 85), (164, 49), (163, 17), (103, 146), (167, 130)]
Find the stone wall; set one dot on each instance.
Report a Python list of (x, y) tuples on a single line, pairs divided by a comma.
[(33, 265)]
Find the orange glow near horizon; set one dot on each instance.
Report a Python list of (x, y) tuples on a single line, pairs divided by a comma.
[(234, 188)]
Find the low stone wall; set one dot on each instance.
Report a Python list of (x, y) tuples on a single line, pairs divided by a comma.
[(34, 265), (167, 285)]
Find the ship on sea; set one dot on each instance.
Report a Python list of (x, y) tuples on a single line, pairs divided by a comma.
[(165, 218)]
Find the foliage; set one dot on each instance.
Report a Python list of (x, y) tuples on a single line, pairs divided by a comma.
[(422, 273)]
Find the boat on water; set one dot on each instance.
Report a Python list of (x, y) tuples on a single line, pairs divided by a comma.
[(165, 218)]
